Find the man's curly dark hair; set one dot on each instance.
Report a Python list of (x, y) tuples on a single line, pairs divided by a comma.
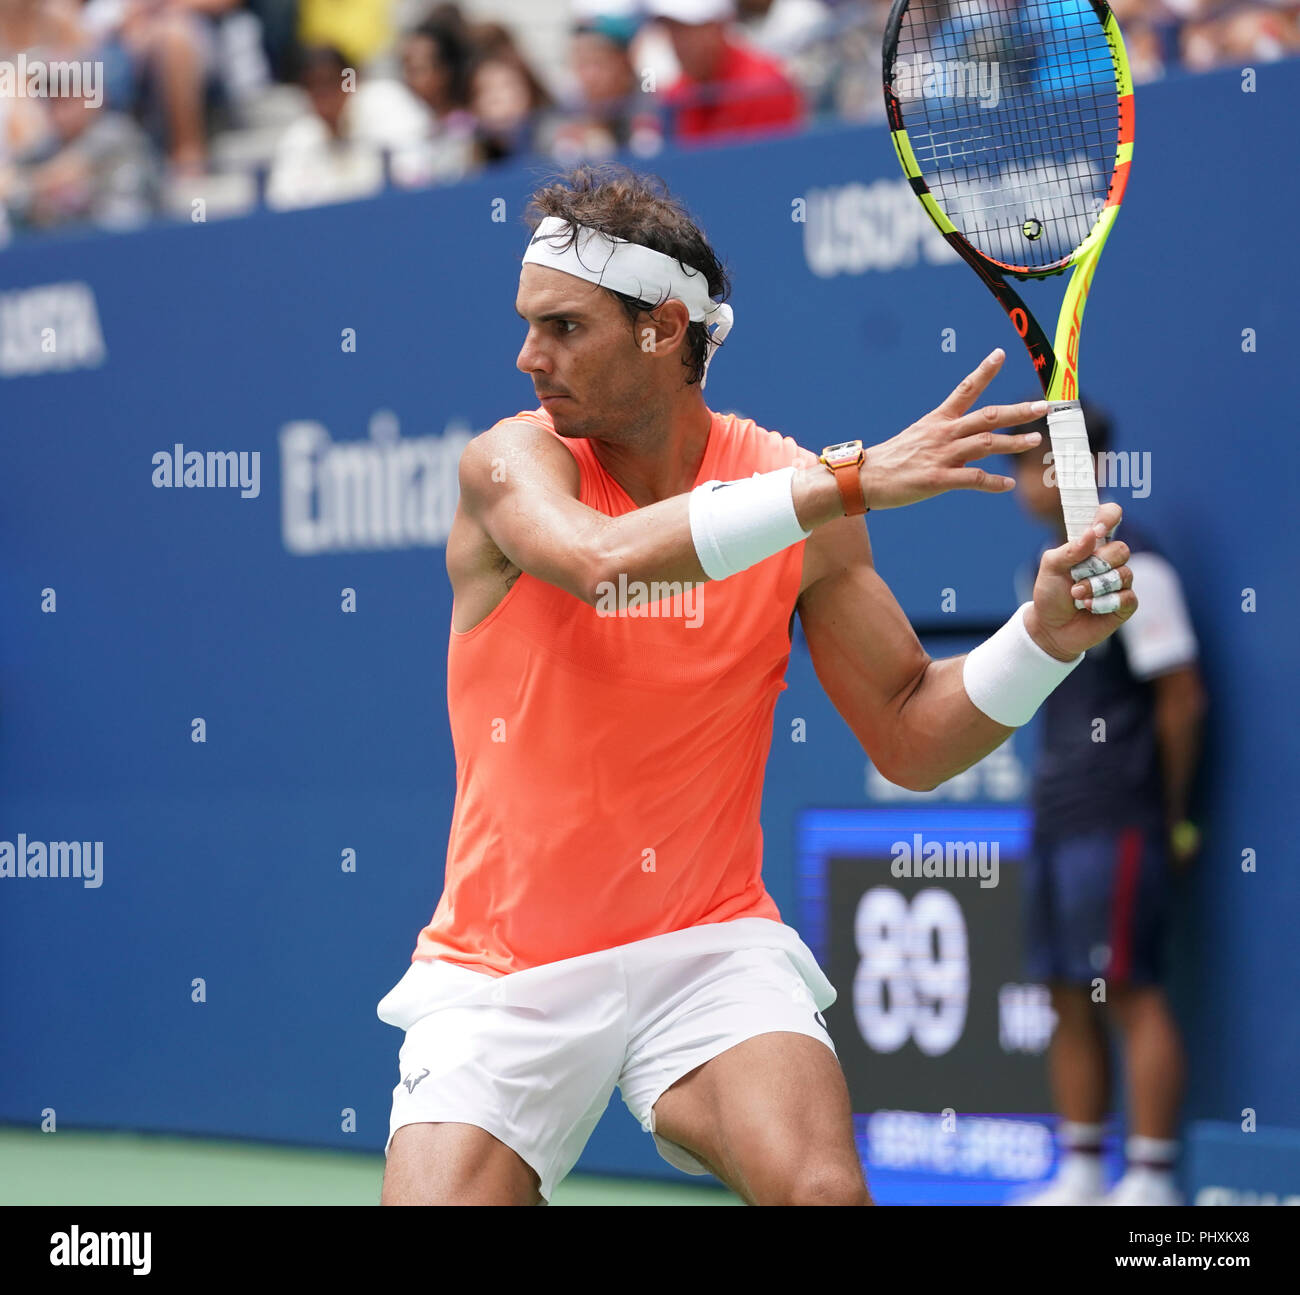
[(617, 201)]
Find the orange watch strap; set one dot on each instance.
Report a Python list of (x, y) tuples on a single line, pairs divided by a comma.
[(850, 483)]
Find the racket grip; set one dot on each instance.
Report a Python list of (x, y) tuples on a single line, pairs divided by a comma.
[(1076, 475), (1076, 479)]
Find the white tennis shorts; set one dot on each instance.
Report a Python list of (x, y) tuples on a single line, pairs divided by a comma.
[(534, 1057)]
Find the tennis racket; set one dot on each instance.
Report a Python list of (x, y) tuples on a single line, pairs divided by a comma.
[(1013, 121)]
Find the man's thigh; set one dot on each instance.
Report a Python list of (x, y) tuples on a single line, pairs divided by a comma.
[(506, 1070), (771, 1118), (1110, 893), (455, 1164)]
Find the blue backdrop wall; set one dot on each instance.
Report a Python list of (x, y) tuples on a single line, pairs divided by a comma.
[(130, 610)]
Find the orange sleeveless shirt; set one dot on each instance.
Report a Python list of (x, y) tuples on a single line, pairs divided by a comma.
[(609, 767)]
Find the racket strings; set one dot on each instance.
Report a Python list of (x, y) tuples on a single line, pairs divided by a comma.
[(1013, 116)]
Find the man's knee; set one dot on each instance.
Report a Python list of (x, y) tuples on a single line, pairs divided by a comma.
[(823, 1184)]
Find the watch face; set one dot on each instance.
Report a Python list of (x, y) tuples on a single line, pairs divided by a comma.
[(844, 452)]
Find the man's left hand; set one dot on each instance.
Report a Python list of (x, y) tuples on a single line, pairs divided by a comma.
[(1054, 622)]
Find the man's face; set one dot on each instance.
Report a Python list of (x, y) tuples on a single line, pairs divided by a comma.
[(581, 349), (698, 46)]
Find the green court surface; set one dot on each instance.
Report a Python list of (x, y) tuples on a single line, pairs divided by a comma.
[(76, 1168)]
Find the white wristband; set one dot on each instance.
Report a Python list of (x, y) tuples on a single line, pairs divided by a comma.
[(1009, 676), (737, 523)]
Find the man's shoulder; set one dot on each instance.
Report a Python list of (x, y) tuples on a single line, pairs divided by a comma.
[(745, 442), (532, 426), (527, 438), (530, 417)]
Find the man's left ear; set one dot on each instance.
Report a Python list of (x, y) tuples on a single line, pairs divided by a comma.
[(680, 315)]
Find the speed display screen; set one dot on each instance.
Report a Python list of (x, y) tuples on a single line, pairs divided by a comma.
[(915, 916)]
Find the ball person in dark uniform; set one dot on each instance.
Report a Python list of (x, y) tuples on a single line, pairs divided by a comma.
[(1123, 730)]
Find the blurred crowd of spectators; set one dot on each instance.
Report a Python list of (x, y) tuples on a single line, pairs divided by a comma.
[(298, 102)]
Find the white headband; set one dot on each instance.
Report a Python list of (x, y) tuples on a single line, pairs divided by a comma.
[(639, 272)]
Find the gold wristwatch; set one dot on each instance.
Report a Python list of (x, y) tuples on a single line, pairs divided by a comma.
[(844, 460)]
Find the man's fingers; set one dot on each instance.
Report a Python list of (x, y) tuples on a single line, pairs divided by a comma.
[(977, 479), (985, 443), (1122, 604), (1091, 555), (1102, 558), (1108, 517), (1113, 554), (999, 416), (1092, 544), (969, 389), (1076, 557), (1098, 586), (1100, 582), (1090, 566)]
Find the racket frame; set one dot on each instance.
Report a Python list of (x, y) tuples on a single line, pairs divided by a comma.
[(1057, 363), (1059, 379)]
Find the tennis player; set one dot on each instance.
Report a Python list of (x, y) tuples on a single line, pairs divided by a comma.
[(626, 566)]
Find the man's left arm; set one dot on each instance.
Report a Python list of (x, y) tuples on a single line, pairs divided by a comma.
[(1180, 712), (914, 716), (1162, 649)]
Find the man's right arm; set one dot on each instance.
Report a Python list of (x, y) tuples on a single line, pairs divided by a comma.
[(521, 486)]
